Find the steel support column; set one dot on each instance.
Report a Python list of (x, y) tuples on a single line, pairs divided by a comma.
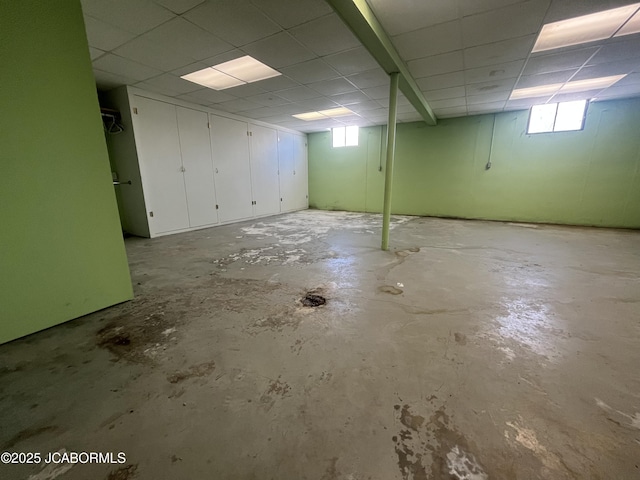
[(391, 151)]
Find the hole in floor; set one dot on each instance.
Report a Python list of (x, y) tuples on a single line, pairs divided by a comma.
[(313, 300)]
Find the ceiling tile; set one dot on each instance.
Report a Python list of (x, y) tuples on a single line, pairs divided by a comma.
[(554, 62), (156, 89), (564, 9), (472, 7), (503, 23), (332, 87), (173, 83), (275, 119), (498, 85), (499, 52), (349, 119), (631, 79), (271, 111), (148, 53), (184, 37), (350, 98), (495, 97), (223, 57), (435, 82), (315, 104), (125, 67), (363, 107), (279, 50), (492, 72), (289, 13), (325, 35), (298, 93), (179, 6), (442, 38), (608, 69), (352, 61), (437, 64), (207, 96), (444, 93), (310, 71), (402, 16), (245, 90), (370, 78), (527, 81), (485, 108), (377, 93), (448, 103), (236, 21), (95, 53), (373, 114), (617, 50), (136, 17), (281, 82), (237, 105), (268, 99), (104, 36)]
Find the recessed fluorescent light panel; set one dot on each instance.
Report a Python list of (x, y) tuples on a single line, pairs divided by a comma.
[(569, 87), (229, 74), (324, 114), (587, 28)]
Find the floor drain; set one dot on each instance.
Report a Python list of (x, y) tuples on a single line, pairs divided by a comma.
[(313, 300)]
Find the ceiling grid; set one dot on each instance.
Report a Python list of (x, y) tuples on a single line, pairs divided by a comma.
[(467, 56)]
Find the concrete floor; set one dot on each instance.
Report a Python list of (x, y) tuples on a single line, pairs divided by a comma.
[(472, 350)]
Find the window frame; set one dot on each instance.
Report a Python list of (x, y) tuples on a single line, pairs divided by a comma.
[(344, 130), (555, 118)]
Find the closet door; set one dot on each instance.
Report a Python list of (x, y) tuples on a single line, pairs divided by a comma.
[(286, 165), (158, 146), (195, 147), (301, 183), (264, 170), (230, 149)]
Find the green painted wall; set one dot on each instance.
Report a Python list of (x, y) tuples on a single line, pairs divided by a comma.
[(62, 253), (591, 177)]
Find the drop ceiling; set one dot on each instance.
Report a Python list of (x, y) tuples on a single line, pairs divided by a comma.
[(466, 56)]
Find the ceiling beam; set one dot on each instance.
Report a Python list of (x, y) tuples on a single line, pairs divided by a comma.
[(359, 17)]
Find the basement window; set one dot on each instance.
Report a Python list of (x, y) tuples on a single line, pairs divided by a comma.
[(557, 117), (345, 136)]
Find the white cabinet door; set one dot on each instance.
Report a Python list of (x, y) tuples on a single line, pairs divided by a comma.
[(158, 146), (286, 164), (230, 149), (195, 146), (264, 170), (301, 172)]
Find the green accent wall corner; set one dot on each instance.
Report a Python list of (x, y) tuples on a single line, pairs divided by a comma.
[(588, 177)]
